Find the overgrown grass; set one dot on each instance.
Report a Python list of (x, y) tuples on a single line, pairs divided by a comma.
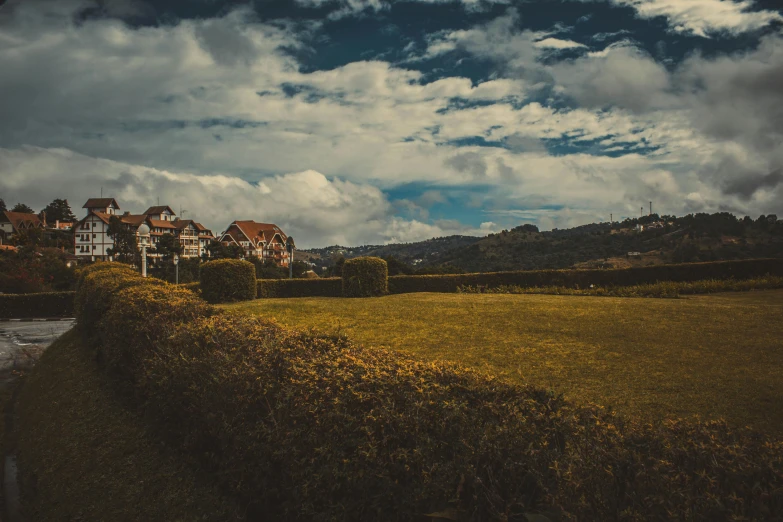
[(83, 457), (704, 356), (665, 289)]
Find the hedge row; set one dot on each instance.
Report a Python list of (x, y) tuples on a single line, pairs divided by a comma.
[(745, 269), (326, 287), (46, 304), (302, 426)]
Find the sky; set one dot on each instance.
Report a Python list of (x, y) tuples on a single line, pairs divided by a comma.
[(373, 121)]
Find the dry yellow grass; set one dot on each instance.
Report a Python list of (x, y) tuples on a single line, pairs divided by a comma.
[(710, 356)]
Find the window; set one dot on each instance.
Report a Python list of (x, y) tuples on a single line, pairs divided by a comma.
[(94, 236), (93, 247), (93, 224)]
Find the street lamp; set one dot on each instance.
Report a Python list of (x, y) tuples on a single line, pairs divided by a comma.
[(289, 245), (176, 267), (144, 241)]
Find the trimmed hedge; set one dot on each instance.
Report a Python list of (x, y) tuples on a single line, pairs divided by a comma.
[(95, 291), (227, 280), (193, 287), (365, 277), (325, 287), (303, 426), (100, 266), (138, 315), (745, 269), (46, 304)]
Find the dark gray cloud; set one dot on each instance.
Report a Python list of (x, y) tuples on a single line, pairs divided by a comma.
[(746, 186)]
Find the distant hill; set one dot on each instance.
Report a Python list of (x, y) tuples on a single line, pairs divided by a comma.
[(651, 240)]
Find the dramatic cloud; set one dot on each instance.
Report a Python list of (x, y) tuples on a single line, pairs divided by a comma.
[(703, 17), (307, 205), (494, 116)]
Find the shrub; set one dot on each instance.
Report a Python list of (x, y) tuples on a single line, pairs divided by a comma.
[(47, 304), (744, 269), (662, 289), (138, 319), (94, 294), (365, 277), (227, 280), (193, 287), (100, 266), (326, 287), (310, 427)]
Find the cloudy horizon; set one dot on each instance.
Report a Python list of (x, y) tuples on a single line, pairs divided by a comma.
[(367, 121)]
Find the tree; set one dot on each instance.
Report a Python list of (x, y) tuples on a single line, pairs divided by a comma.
[(167, 246), (21, 207), (126, 248), (3, 208), (299, 268), (59, 210), (397, 267), (218, 250)]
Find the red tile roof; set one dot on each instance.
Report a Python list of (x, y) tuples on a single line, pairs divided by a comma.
[(133, 219), (158, 210), (101, 203), (159, 223), (22, 219)]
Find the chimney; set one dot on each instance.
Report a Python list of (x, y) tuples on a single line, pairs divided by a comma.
[(42, 217), (126, 213)]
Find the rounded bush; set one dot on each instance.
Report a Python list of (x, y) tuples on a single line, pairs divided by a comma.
[(139, 321), (92, 297), (226, 280), (100, 266), (365, 277)]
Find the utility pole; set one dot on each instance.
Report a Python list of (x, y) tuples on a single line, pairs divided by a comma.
[(641, 212), (610, 219), (651, 208)]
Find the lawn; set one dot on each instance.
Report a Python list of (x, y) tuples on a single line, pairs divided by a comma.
[(711, 356)]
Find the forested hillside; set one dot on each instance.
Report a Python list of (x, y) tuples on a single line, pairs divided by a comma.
[(647, 240)]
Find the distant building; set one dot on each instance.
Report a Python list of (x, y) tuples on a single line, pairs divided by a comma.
[(11, 223), (263, 240), (91, 239)]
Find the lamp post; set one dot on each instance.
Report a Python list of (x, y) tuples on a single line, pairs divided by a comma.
[(176, 267), (289, 245), (144, 241)]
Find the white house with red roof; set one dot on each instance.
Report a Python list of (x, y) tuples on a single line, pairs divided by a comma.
[(262, 240), (91, 239)]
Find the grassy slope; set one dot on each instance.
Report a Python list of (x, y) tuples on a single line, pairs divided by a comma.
[(712, 356), (83, 457)]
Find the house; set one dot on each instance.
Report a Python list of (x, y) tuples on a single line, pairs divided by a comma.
[(262, 240), (11, 223), (91, 239)]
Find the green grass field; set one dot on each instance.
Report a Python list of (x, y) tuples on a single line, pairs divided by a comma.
[(711, 356)]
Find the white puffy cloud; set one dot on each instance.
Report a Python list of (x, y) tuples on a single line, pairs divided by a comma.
[(163, 109), (307, 205), (556, 43), (702, 17)]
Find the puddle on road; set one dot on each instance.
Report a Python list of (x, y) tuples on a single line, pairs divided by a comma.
[(18, 336)]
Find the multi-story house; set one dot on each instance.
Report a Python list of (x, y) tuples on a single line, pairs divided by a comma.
[(92, 241), (262, 240), (91, 238)]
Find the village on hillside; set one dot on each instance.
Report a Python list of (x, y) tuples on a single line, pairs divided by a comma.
[(104, 231)]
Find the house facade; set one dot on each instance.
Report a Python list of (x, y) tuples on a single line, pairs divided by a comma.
[(92, 242), (263, 240)]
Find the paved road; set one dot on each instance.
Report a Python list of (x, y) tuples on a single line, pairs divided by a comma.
[(16, 336)]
